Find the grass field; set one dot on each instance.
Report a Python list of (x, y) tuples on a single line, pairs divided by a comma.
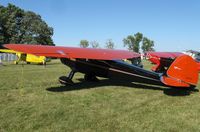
[(31, 99)]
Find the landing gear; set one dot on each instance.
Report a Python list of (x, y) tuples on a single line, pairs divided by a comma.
[(16, 62), (67, 80), (91, 77), (193, 88)]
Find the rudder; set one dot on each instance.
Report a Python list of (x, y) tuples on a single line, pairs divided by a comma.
[(183, 72)]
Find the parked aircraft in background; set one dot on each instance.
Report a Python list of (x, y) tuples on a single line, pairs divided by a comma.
[(29, 58)]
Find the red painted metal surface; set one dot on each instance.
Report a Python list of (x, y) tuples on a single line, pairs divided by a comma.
[(154, 57), (183, 72), (72, 52), (172, 55), (198, 64), (173, 82)]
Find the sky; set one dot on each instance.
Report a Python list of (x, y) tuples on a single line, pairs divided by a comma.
[(174, 25)]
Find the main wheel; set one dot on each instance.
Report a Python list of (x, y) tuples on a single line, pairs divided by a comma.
[(91, 78), (65, 80)]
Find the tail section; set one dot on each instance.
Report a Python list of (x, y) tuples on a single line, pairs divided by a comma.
[(183, 72)]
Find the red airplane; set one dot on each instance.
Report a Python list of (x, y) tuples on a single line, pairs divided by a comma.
[(109, 64), (162, 59)]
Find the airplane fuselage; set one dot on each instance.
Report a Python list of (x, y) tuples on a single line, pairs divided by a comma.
[(113, 69)]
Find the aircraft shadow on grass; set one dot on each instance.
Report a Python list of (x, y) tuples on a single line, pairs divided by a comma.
[(107, 82)]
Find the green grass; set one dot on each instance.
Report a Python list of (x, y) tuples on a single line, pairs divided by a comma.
[(31, 99)]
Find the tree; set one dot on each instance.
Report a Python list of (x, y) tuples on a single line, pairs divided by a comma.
[(84, 43), (39, 32), (133, 42), (94, 44), (19, 26), (110, 44), (147, 45)]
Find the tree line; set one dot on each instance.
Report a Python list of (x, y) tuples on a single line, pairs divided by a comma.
[(132, 42), (94, 44)]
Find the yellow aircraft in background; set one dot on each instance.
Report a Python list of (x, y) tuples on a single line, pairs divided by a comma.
[(29, 58)]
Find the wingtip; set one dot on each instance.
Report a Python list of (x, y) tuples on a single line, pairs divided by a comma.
[(7, 45)]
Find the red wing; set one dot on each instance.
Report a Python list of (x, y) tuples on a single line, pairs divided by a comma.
[(71, 52), (171, 55), (160, 59)]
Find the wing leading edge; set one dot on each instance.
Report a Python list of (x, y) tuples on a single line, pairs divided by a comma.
[(171, 55), (72, 52)]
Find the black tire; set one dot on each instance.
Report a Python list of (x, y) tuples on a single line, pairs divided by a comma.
[(90, 78), (65, 80)]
